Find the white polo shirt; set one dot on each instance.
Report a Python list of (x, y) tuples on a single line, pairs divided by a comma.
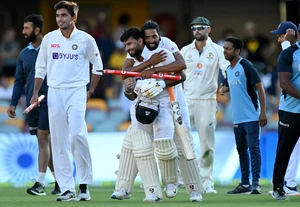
[(202, 70), (66, 61)]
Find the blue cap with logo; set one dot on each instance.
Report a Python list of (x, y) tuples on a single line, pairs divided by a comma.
[(283, 26)]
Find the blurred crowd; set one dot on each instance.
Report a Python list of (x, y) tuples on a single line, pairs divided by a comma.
[(258, 48)]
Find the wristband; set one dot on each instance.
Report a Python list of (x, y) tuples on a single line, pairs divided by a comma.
[(128, 93)]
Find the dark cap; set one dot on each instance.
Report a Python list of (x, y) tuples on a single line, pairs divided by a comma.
[(200, 20), (283, 26), (144, 113)]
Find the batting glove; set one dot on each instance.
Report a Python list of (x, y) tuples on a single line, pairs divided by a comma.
[(153, 89)]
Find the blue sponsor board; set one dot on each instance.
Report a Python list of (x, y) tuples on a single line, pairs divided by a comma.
[(19, 157)]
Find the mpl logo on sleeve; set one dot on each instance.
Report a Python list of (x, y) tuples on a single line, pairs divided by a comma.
[(55, 46)]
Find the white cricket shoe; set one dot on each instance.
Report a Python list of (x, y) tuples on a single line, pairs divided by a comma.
[(152, 198), (195, 196), (291, 191), (210, 190), (84, 196), (120, 194), (171, 190)]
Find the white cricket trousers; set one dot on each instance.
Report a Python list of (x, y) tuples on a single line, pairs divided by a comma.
[(292, 169), (203, 117), (68, 132)]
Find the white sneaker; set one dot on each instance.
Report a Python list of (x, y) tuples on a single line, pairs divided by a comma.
[(210, 190), (171, 190), (84, 196), (180, 184), (152, 198), (67, 196), (290, 192), (120, 194), (127, 196), (195, 196)]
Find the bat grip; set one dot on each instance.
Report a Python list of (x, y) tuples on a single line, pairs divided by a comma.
[(171, 93)]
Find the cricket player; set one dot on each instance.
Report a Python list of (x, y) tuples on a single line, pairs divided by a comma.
[(65, 56), (189, 169), (289, 114), (38, 117), (287, 33), (204, 58)]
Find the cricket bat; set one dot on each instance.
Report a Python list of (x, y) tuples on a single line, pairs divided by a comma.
[(130, 73), (32, 106), (180, 128)]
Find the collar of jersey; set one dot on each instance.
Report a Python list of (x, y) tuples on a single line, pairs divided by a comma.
[(74, 32), (30, 47), (208, 42)]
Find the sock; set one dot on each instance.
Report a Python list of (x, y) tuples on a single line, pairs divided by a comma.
[(83, 188), (42, 178), (53, 176)]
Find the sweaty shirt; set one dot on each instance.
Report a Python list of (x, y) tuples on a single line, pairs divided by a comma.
[(66, 61)]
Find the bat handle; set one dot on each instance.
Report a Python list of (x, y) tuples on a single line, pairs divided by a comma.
[(171, 93)]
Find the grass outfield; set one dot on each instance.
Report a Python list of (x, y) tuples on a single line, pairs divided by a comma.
[(17, 197)]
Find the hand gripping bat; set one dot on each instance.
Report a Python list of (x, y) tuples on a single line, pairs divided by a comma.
[(32, 106)]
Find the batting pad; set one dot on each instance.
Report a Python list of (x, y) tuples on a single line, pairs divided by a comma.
[(143, 152), (127, 165), (189, 170), (166, 153)]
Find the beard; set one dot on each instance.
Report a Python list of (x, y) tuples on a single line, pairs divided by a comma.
[(200, 37), (152, 46), (136, 53), (228, 57), (31, 37)]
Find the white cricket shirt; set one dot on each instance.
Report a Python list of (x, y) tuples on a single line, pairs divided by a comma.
[(202, 70), (66, 61)]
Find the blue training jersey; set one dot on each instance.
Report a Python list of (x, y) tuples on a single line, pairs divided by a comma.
[(289, 61), (24, 76), (244, 97)]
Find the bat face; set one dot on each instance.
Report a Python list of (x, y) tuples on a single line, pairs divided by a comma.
[(176, 112)]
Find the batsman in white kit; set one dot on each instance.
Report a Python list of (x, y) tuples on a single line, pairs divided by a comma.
[(127, 168), (65, 55)]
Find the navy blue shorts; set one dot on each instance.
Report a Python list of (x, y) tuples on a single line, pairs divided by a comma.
[(38, 119)]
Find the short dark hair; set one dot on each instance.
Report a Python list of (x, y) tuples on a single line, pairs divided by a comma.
[(70, 6), (37, 21), (150, 24), (133, 32), (236, 42)]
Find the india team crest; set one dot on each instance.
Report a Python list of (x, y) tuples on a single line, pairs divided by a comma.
[(74, 47)]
